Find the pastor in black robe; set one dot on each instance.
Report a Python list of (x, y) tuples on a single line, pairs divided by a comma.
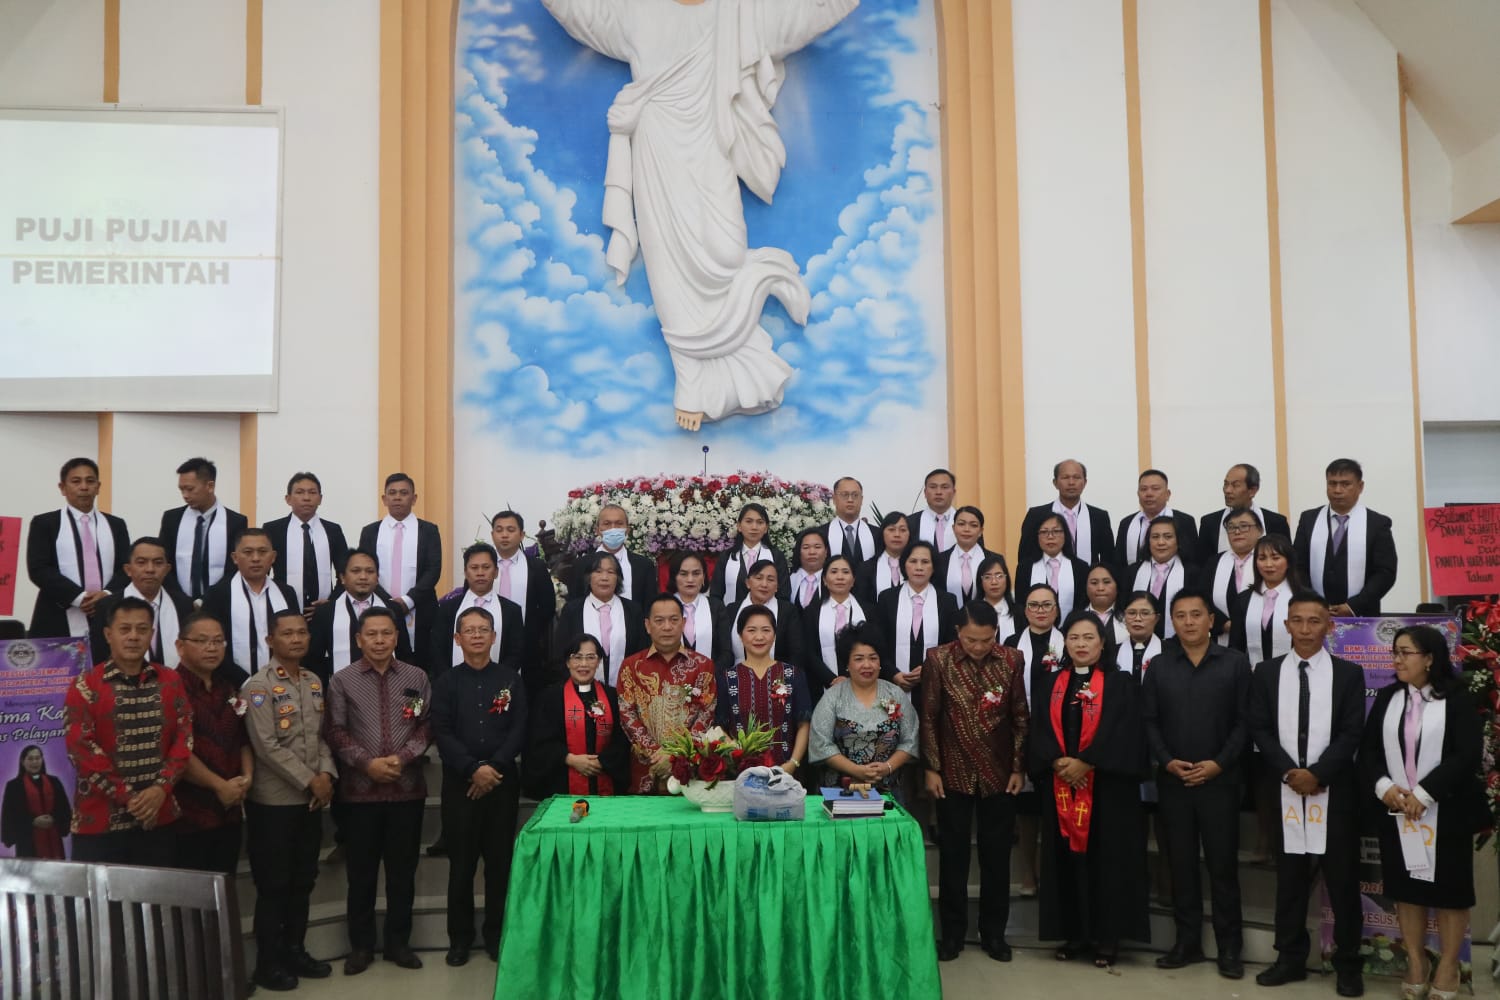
[(1099, 896), (546, 766)]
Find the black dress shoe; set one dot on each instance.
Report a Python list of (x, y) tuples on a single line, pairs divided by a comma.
[(998, 949), (1351, 983), (357, 961), (403, 957), (438, 848), (1230, 966), (1280, 974), (307, 967), (947, 951), (457, 957), (1180, 957), (274, 979), (493, 950)]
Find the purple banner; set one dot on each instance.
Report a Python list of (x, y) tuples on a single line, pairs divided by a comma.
[(1367, 642), (35, 675)]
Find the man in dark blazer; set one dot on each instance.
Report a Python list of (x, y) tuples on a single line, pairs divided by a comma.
[(412, 585), (310, 561), (640, 582), (147, 570), (199, 535), (359, 590), (248, 649), (478, 591), (1241, 484), (1133, 536), (848, 534), (1310, 758), (1345, 550), (74, 566), (1089, 526), (537, 597)]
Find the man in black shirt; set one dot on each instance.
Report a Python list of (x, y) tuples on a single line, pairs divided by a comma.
[(479, 725), (1196, 694)]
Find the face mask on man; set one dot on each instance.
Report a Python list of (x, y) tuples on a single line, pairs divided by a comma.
[(613, 538)]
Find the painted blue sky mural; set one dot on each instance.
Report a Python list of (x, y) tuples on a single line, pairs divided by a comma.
[(553, 352)]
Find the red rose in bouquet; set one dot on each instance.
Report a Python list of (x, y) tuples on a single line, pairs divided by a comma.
[(681, 770), (670, 484), (575, 494), (733, 480), (711, 767)]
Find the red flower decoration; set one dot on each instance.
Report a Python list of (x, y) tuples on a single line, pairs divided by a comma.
[(575, 494), (711, 767), (670, 484), (733, 480)]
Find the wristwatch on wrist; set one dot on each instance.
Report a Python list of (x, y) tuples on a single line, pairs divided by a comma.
[(793, 763)]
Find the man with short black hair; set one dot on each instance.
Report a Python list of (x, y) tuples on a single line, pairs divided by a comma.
[(1131, 539), (1087, 526), (310, 551), (934, 522), (1345, 550), (410, 551), (664, 689), (244, 602), (848, 534), (334, 627), (147, 569), (526, 580), (478, 591), (1241, 484), (74, 556), (1196, 696), (129, 733), (200, 534)]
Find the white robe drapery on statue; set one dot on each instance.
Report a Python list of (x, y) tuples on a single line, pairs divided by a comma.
[(694, 121)]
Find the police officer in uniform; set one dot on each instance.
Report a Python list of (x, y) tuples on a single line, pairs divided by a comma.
[(294, 774)]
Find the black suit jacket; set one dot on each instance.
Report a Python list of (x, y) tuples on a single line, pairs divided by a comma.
[(1190, 580), (864, 579), (885, 617), (217, 601), (181, 603), (569, 626), (945, 560), (1102, 550), (429, 564), (718, 584), (1080, 570), (875, 539), (55, 592), (171, 522), (1335, 768), (338, 548), (645, 582), (1187, 538), (820, 674), (1454, 784), (319, 658), (1380, 563), (1209, 525), (541, 609), (440, 637), (788, 648)]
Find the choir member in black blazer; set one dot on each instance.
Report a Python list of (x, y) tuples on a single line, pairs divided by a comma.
[(934, 523), (1275, 581), (1178, 570), (848, 534), (882, 571), (478, 591), (750, 547), (908, 638), (639, 581), (359, 590), (312, 582), (146, 569), (574, 747), (762, 586), (1226, 574), (820, 625), (583, 615), (247, 649), (196, 479), (687, 581), (417, 593), (55, 557), (809, 555), (1055, 542), (538, 599), (994, 590), (1429, 700), (1241, 484), (1360, 569), (1130, 539), (1069, 478), (968, 540), (1307, 713), (1040, 644), (1104, 590)]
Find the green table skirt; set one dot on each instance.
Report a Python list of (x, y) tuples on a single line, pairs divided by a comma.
[(648, 897)]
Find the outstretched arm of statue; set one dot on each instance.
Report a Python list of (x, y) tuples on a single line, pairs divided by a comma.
[(599, 24), (786, 26)]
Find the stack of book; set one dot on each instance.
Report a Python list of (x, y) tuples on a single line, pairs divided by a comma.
[(842, 803)]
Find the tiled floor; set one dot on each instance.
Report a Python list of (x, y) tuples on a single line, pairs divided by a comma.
[(1034, 975)]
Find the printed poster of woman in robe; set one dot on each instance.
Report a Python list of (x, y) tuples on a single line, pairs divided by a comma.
[(36, 806)]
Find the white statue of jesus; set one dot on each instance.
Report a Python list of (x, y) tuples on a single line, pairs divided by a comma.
[(696, 119)]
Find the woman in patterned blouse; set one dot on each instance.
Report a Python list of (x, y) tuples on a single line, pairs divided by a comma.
[(763, 688), (864, 729)]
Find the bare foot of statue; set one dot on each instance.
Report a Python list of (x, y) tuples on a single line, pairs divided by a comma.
[(689, 421)]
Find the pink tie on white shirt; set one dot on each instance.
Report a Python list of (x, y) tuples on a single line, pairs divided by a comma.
[(398, 544), (917, 603), (90, 567), (895, 571), (966, 574), (809, 590), (937, 532), (690, 623), (505, 579), (1239, 572), (1072, 517), (840, 618), (605, 627), (1268, 608), (1415, 705), (1158, 579), (1052, 566)]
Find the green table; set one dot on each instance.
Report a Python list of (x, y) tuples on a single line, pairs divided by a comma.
[(648, 897)]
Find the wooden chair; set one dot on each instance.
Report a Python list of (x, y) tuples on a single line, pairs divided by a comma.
[(169, 934), (46, 938)]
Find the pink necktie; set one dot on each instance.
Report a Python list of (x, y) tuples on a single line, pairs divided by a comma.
[(895, 571), (690, 624), (1072, 517), (809, 590), (966, 575), (1415, 704), (398, 538), (917, 601), (90, 557), (1239, 572), (938, 531), (604, 626), (1268, 609), (505, 578), (1158, 578), (840, 618), (1052, 565)]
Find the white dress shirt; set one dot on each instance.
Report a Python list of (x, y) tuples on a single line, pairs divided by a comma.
[(519, 579), (321, 552), (385, 540), (617, 627), (489, 602), (928, 532), (217, 539)]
